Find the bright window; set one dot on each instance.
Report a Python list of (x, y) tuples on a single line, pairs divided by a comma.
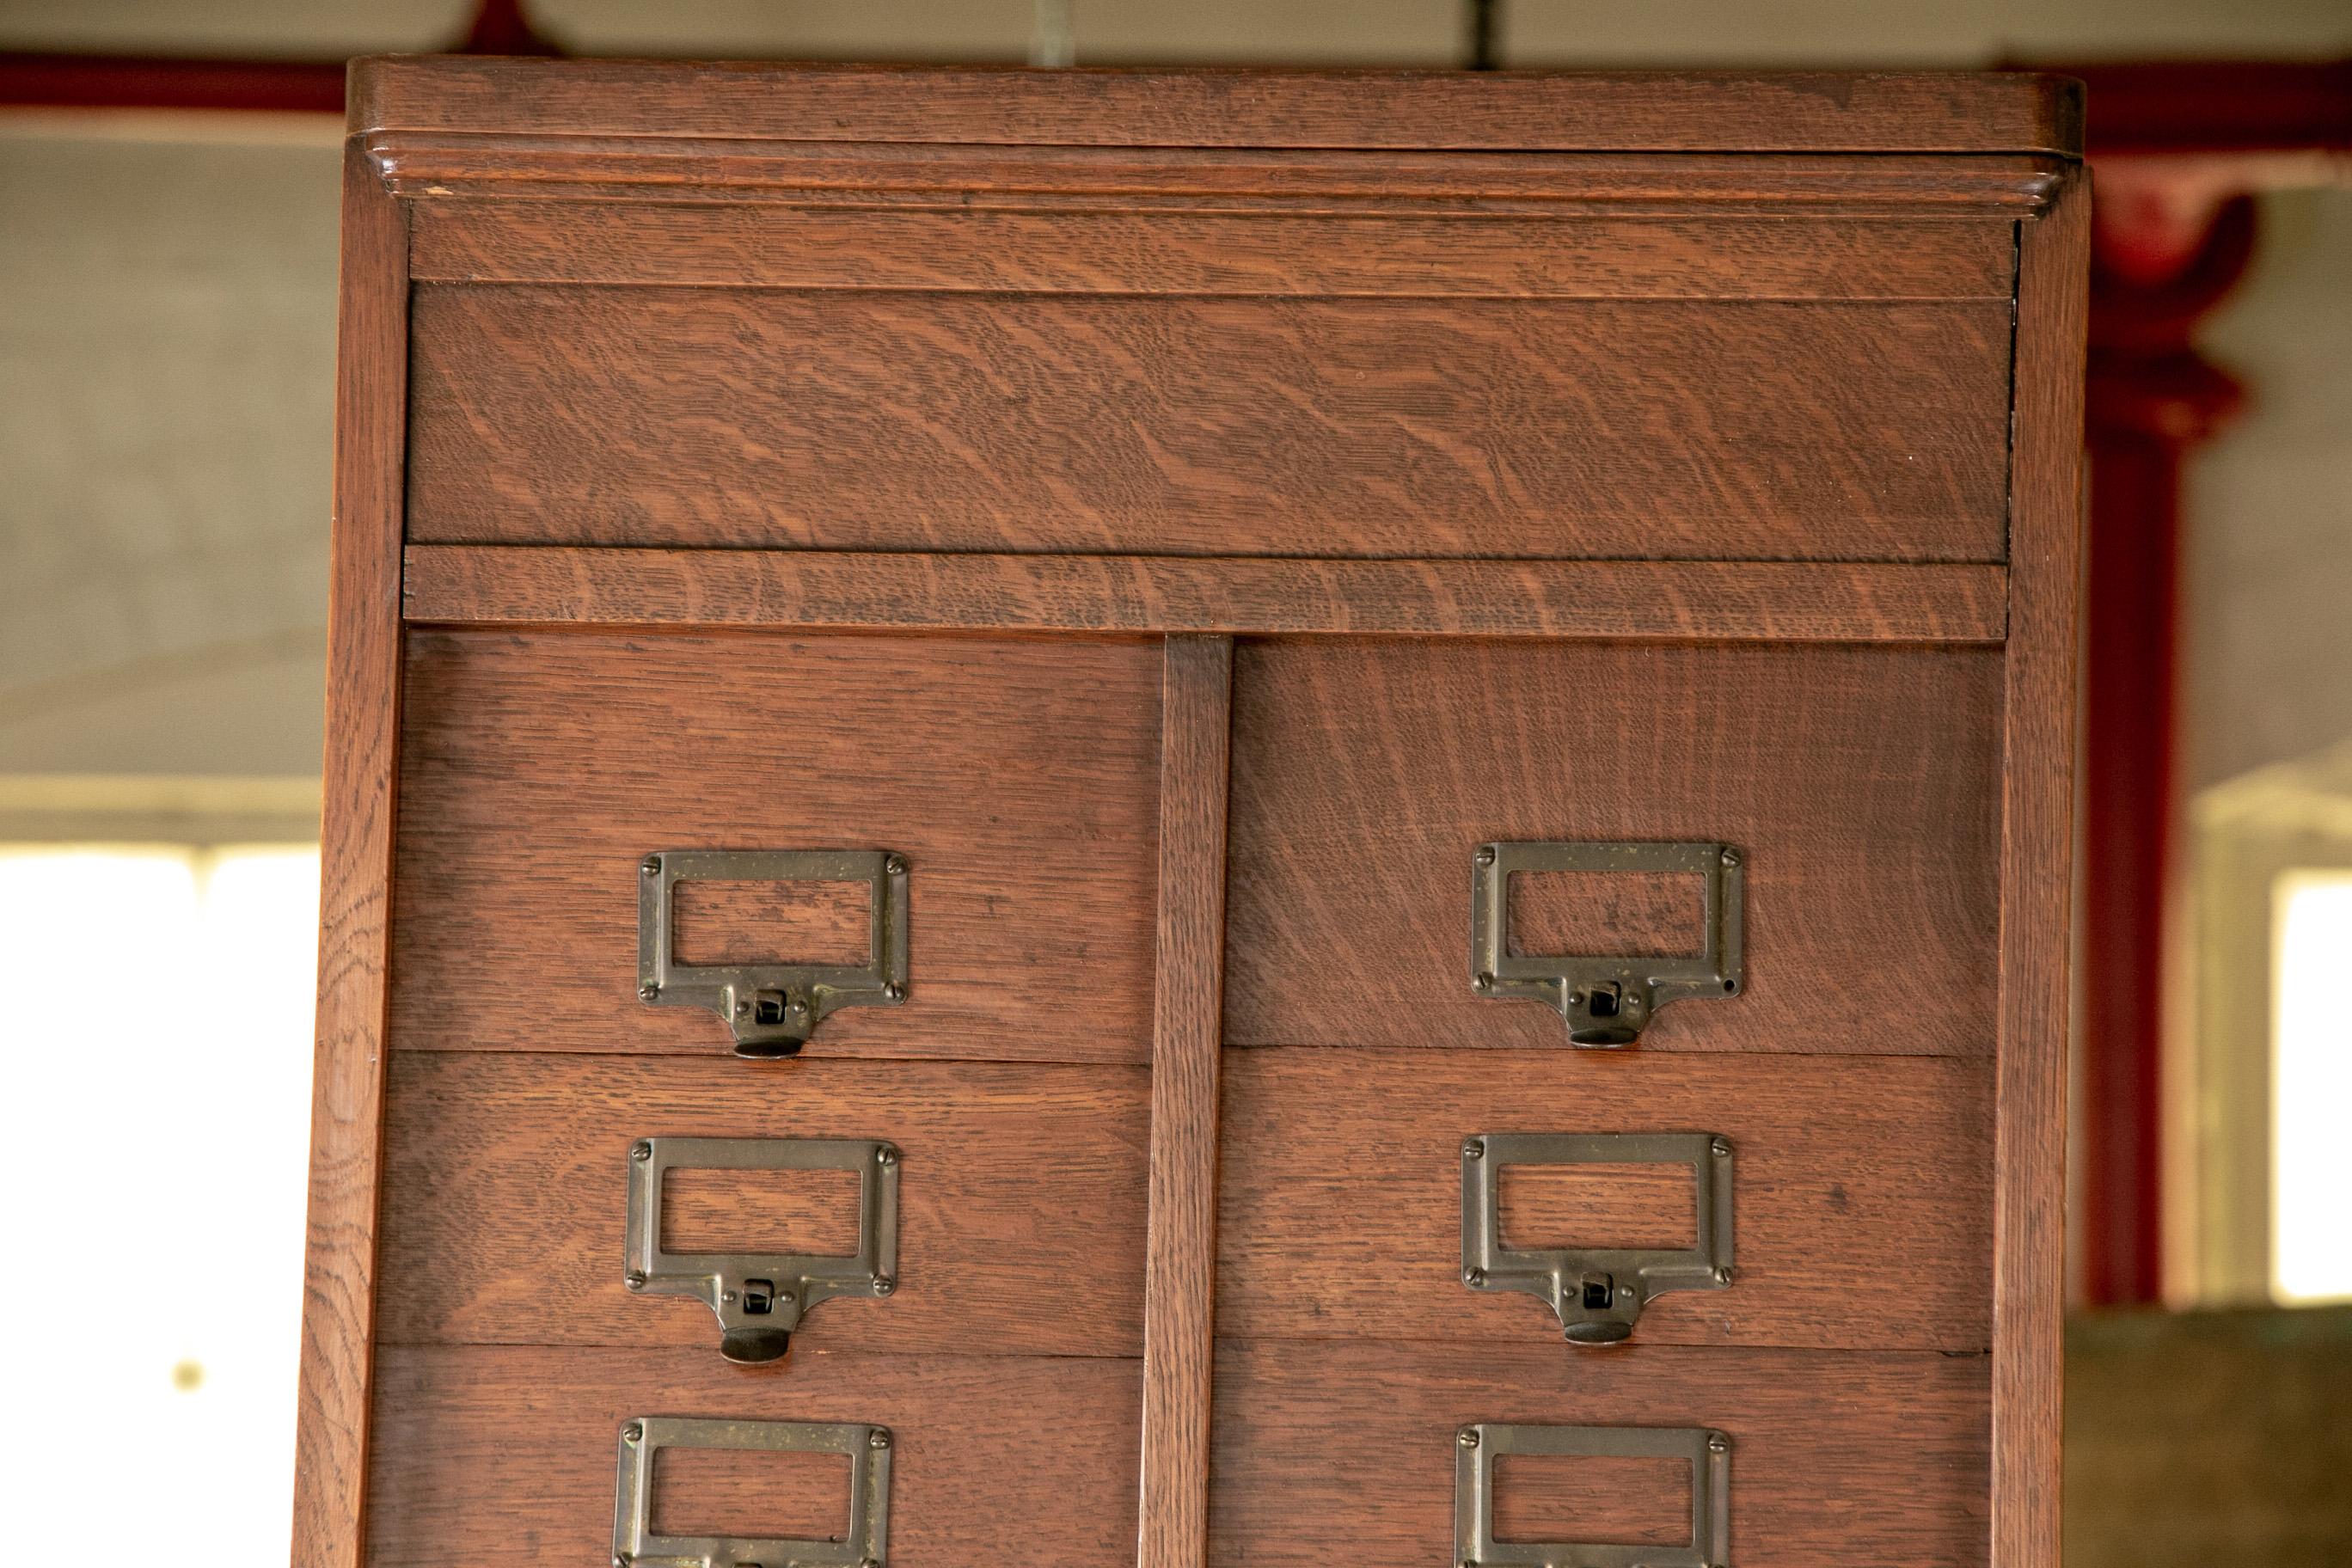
[(155, 1074), (2312, 1075)]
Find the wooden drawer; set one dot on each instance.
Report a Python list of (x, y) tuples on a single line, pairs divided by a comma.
[(1020, 1199), (1862, 1205), (1823, 429), (498, 1449), (1834, 1457), (1861, 786), (1018, 778)]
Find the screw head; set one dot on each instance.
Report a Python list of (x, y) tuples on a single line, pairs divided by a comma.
[(894, 992), (1625, 1292), (796, 1007), (1486, 855), (728, 1297), (1722, 1147), (1718, 1444), (652, 868), (641, 1150), (1723, 1276), (636, 1279), (884, 1285), (896, 865), (1732, 857), (633, 1431), (1482, 983), (1474, 1276), (886, 1155), (742, 1009), (877, 1438), (1467, 1436), (1473, 1148), (620, 1560), (649, 991)]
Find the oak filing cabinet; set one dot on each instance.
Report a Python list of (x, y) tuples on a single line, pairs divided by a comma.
[(1301, 817)]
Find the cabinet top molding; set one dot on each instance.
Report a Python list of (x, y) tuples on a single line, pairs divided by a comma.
[(1553, 111)]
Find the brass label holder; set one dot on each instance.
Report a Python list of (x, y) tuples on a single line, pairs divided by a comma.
[(1477, 1447), (865, 1544), (1598, 1292), (1607, 1000), (761, 1298), (772, 1009)]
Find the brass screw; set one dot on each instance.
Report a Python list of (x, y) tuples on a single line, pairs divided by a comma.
[(886, 1155), (1722, 1147), (632, 1432), (641, 1150), (1473, 1148), (1467, 1436), (636, 1279), (884, 1285), (1718, 1444), (1486, 856), (1732, 857), (877, 1439), (742, 1009), (894, 864), (620, 1560), (1474, 1276), (649, 991), (1482, 983), (652, 868), (894, 992), (1723, 1276), (1625, 1292), (728, 1297)]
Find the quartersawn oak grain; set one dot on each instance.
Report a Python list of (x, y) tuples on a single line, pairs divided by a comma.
[(1862, 785), (1181, 1285), (814, 589), (1020, 780), (2037, 856), (506, 1190), (481, 1448), (1836, 1456), (1888, 111), (363, 676), (735, 246), (1863, 1196), (1208, 427)]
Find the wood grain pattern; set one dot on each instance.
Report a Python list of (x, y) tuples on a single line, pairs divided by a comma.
[(1191, 426), (364, 674), (813, 1212), (1089, 252), (499, 1447), (1018, 778), (1597, 1205), (1713, 600), (717, 923), (1864, 1194), (2037, 858), (1863, 787), (1641, 1502), (726, 1492), (1836, 1458), (1179, 1288), (1652, 111), (1021, 1199)]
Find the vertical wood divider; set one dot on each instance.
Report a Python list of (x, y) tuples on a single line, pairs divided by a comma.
[(1181, 1255), (363, 649), (2037, 882)]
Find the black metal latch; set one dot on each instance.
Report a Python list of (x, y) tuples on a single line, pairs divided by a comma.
[(1598, 1291), (1607, 1000), (761, 1298), (772, 1009)]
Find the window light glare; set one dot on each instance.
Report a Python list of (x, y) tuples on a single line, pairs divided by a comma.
[(2312, 1085)]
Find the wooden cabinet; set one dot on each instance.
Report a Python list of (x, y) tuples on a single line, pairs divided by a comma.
[(1198, 532)]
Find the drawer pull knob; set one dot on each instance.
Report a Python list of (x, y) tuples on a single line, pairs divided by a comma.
[(772, 1009), (1478, 1447), (1598, 1292), (1607, 999), (761, 1298), (865, 1544)]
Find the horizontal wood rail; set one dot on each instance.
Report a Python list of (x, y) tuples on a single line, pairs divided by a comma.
[(1730, 601)]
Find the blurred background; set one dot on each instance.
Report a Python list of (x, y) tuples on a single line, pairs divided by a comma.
[(167, 302)]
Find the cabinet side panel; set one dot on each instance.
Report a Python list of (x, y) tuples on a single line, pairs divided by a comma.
[(363, 724)]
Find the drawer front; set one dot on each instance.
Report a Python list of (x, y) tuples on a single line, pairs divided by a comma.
[(1018, 779), (1860, 787), (1861, 1212), (483, 1450), (1019, 1203), (1834, 1457), (1834, 429)]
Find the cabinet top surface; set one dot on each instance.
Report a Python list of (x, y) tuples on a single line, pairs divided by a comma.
[(1910, 112)]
